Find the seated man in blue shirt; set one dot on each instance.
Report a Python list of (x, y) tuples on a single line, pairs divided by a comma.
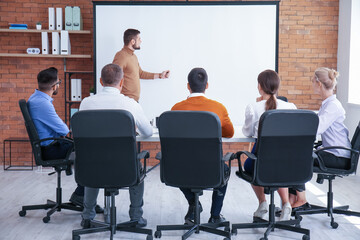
[(49, 124)]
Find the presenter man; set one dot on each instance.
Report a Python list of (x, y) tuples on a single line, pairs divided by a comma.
[(128, 61), (197, 101), (111, 98)]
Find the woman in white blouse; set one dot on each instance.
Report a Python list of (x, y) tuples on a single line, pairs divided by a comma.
[(268, 85), (331, 128)]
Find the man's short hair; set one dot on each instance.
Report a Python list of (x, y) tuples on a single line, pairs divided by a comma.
[(197, 79), (129, 35), (111, 74), (47, 78)]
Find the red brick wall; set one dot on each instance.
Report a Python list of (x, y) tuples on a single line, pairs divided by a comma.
[(308, 39)]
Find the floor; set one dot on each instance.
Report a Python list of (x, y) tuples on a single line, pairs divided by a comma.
[(162, 205)]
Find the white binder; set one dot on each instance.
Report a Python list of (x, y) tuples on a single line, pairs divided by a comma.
[(65, 43), (77, 19), (55, 43), (68, 18), (73, 89), (59, 19), (78, 89), (51, 18), (44, 43)]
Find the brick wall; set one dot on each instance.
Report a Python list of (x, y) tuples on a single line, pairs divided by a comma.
[(308, 39)]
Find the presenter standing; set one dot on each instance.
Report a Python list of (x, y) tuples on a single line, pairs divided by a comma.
[(128, 61)]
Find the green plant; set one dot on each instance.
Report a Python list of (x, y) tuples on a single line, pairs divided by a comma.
[(38, 23), (92, 90)]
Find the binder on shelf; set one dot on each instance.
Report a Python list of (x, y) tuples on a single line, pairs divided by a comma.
[(68, 18), (65, 43), (78, 89), (77, 19), (51, 18), (44, 43), (73, 89), (55, 43), (59, 19)]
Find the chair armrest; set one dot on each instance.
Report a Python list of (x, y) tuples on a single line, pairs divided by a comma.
[(228, 156), (241, 173), (337, 147), (158, 156), (143, 155), (317, 144)]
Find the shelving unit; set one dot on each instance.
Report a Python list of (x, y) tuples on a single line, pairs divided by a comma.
[(67, 86), (5, 30)]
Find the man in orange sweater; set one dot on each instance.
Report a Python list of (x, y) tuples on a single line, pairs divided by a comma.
[(197, 84), (128, 61)]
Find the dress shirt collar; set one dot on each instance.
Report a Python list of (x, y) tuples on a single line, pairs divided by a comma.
[(128, 50), (43, 95), (329, 99), (197, 95), (111, 90)]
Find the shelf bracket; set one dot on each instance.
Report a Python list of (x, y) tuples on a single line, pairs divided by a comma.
[(64, 64)]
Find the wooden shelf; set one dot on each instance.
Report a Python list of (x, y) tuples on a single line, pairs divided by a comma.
[(43, 55), (43, 30)]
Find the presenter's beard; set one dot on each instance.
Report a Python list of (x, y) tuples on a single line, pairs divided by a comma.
[(135, 47)]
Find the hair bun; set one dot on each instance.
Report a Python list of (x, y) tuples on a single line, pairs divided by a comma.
[(333, 74)]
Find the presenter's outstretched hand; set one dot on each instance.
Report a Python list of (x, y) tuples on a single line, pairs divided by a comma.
[(164, 74)]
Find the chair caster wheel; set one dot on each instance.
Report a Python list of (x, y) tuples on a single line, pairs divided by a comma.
[(306, 237), (76, 237), (334, 225), (226, 238), (264, 238), (298, 226), (157, 234), (234, 232), (149, 237), (227, 229), (22, 213), (298, 217), (46, 219)]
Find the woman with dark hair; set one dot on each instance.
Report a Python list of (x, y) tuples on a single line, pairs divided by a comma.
[(268, 85)]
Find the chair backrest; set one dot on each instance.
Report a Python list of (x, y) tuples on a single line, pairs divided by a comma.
[(284, 147), (32, 132), (355, 144), (191, 148), (282, 98), (105, 148)]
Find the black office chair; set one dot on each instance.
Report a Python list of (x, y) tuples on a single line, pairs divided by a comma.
[(283, 158), (191, 157), (107, 157), (282, 98), (59, 165), (330, 174)]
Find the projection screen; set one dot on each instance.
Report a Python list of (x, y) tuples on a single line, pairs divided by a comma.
[(232, 41)]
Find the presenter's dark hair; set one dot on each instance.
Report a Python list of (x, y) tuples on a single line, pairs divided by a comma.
[(197, 79), (111, 74), (129, 35), (269, 81), (46, 78)]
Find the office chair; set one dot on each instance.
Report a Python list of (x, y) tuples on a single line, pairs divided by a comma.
[(282, 98), (330, 174), (191, 157), (283, 158), (59, 165), (107, 157)]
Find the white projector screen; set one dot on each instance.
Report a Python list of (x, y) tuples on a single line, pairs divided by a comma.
[(232, 41)]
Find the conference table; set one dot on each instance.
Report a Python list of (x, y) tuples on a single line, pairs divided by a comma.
[(238, 137)]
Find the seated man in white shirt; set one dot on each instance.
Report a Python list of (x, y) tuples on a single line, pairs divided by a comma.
[(111, 98)]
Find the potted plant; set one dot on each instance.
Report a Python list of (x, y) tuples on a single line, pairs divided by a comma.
[(38, 25), (92, 91)]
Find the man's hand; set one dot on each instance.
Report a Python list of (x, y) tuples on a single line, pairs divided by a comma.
[(164, 74)]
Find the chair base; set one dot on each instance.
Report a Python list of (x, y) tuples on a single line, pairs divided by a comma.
[(271, 226), (196, 228), (97, 227), (329, 211), (50, 204)]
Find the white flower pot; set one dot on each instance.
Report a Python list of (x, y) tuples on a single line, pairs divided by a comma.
[(38, 27)]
